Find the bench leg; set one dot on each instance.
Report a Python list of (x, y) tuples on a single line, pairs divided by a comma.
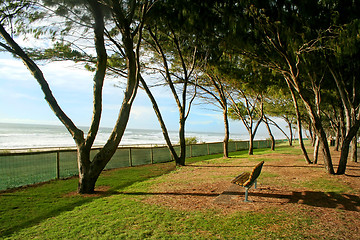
[(246, 195), (255, 183)]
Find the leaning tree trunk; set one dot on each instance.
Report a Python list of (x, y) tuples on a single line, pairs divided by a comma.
[(298, 117), (345, 148), (319, 131), (344, 156), (302, 146), (161, 121), (316, 149), (326, 152), (270, 134)]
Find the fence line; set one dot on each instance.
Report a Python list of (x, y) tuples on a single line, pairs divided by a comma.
[(22, 168)]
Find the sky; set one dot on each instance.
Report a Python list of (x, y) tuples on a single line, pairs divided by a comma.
[(22, 101)]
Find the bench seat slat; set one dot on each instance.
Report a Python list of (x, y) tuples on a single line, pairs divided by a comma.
[(241, 179)]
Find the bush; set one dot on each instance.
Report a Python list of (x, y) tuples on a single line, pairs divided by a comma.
[(191, 140)]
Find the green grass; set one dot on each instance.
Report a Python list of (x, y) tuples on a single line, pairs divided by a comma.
[(327, 186), (48, 211), (28, 207), (121, 217)]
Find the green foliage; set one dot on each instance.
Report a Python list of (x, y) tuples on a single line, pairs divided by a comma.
[(191, 140)]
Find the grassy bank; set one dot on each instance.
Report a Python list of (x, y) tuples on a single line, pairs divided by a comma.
[(120, 209)]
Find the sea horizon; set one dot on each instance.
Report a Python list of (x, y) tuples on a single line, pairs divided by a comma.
[(31, 135)]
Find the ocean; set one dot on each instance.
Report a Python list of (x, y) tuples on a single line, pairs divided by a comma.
[(19, 136)]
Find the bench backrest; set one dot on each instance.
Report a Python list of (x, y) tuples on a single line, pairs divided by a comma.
[(254, 174)]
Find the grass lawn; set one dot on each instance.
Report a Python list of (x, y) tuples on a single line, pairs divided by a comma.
[(293, 201)]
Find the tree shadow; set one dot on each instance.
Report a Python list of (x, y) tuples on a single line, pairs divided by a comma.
[(251, 166), (346, 202), (29, 221), (45, 207)]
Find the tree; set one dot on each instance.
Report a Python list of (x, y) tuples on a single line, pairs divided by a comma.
[(175, 43), (343, 63), (278, 104), (279, 33), (125, 19), (213, 84), (244, 107)]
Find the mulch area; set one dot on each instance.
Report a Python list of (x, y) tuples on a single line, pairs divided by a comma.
[(204, 186)]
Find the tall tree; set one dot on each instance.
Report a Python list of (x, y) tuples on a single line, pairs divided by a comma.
[(212, 86), (278, 104), (277, 35), (249, 109), (175, 42), (126, 19), (344, 62)]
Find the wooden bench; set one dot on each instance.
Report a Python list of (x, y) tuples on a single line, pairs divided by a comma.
[(247, 179)]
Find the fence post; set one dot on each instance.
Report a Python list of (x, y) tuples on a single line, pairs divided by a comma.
[(236, 148), (152, 154), (57, 164), (190, 150), (208, 149), (130, 157)]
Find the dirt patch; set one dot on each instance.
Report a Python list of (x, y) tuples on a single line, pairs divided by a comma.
[(196, 186), (199, 186), (99, 191)]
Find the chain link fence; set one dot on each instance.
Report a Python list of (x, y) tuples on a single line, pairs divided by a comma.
[(40, 165)]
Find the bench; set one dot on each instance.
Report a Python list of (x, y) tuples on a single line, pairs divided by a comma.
[(247, 180)]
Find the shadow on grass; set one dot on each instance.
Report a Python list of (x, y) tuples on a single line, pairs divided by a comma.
[(28, 207), (346, 202), (29, 221), (251, 166)]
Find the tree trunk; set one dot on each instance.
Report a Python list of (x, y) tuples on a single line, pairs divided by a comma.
[(326, 152), (345, 148), (316, 149), (270, 134), (226, 137), (181, 159), (353, 155), (298, 117), (161, 121), (337, 139), (278, 127), (312, 135), (319, 131), (290, 132), (302, 146), (343, 156), (251, 144)]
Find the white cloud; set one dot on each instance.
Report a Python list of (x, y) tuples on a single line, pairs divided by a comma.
[(142, 113), (201, 122), (216, 116), (14, 70)]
